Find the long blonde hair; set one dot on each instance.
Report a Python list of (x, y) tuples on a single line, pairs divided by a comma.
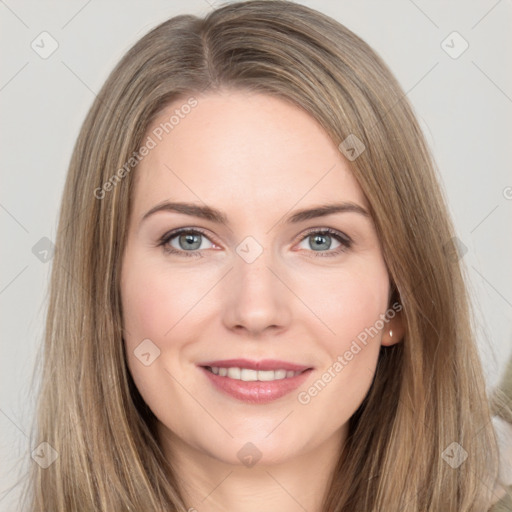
[(428, 391)]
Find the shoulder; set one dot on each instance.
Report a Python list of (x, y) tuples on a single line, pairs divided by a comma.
[(503, 489), (501, 403)]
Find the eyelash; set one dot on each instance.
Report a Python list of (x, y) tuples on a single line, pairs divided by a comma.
[(345, 241)]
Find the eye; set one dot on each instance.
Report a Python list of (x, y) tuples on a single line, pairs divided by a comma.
[(189, 242), (185, 242), (321, 241)]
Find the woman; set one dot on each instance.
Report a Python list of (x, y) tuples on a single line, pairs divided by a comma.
[(256, 301)]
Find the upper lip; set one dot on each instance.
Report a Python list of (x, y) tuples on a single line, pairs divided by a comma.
[(264, 364)]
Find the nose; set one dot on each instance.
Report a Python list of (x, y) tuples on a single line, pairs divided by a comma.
[(256, 299)]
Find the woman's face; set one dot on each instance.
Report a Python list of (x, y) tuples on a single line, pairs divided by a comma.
[(250, 279)]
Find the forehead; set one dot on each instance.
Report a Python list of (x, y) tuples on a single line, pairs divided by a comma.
[(245, 151)]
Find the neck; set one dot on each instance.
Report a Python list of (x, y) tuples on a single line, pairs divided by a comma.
[(295, 484)]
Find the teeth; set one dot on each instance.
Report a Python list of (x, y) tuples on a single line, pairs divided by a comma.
[(234, 373), (268, 375), (247, 375)]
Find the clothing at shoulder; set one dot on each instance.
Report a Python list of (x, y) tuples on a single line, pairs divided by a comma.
[(502, 421)]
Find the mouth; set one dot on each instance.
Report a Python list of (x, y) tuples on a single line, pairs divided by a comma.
[(255, 382)]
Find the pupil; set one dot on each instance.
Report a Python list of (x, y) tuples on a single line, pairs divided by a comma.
[(189, 240), (321, 240)]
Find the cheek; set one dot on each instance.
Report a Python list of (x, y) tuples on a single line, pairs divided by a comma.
[(154, 300), (352, 303), (354, 311), (148, 313), (152, 305), (158, 305), (144, 307), (360, 307)]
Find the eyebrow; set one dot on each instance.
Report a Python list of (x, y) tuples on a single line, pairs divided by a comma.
[(214, 215)]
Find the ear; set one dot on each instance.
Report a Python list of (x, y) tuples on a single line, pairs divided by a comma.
[(393, 331)]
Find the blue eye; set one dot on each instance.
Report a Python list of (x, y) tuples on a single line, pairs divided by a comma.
[(320, 241), (189, 242)]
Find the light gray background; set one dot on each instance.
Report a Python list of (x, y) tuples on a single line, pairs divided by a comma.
[(464, 105)]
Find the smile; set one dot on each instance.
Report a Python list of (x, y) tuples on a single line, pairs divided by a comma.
[(254, 386)]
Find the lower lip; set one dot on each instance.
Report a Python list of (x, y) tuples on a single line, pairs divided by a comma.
[(256, 392)]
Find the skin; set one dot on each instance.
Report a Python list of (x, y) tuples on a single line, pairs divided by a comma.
[(258, 159)]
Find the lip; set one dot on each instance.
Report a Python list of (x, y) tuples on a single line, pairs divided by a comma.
[(264, 364), (256, 392)]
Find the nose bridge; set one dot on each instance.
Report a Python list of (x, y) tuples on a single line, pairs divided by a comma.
[(257, 299), (252, 268)]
